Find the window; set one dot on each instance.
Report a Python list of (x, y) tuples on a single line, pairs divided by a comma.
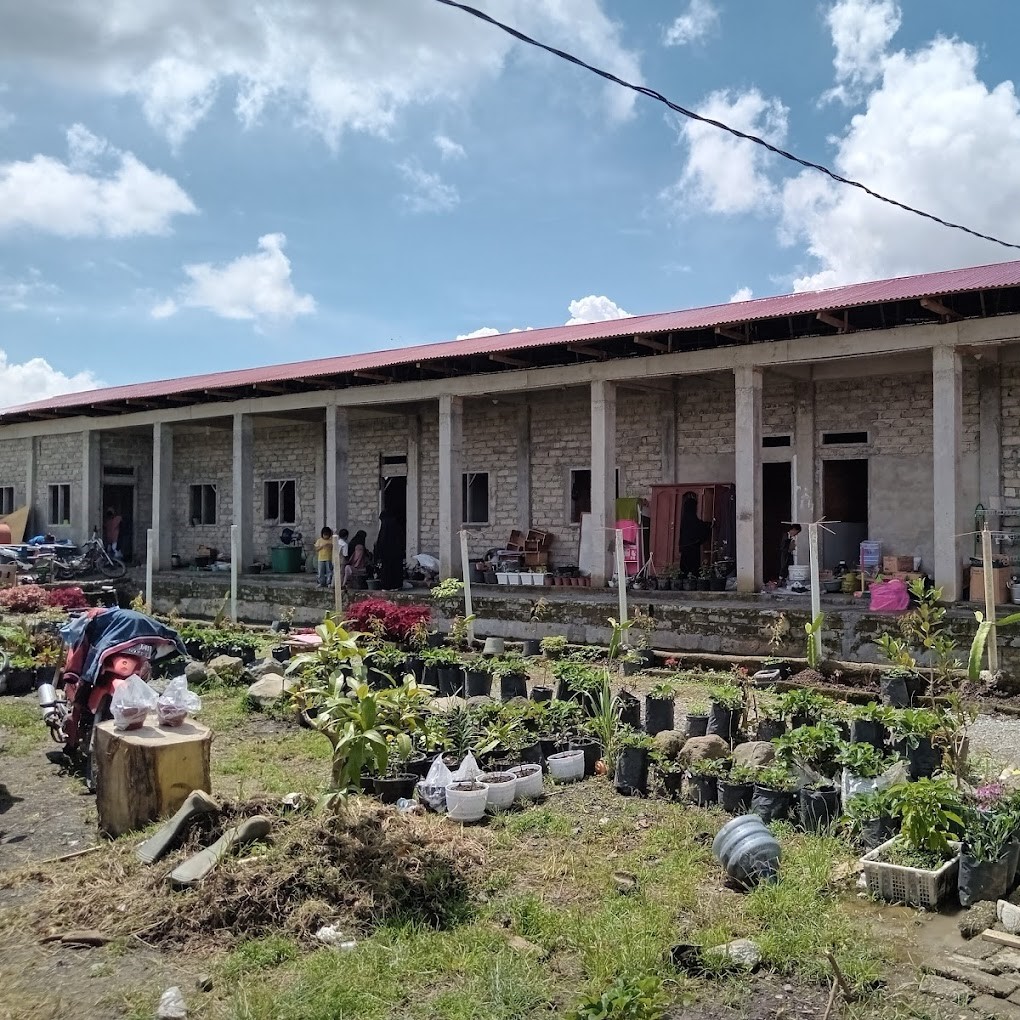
[(580, 492), (203, 504), (475, 497), (844, 438), (280, 502), (60, 504), (6, 499), (771, 442)]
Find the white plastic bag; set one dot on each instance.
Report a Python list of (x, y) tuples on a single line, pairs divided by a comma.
[(176, 702), (469, 770), (432, 789), (851, 785), (132, 701)]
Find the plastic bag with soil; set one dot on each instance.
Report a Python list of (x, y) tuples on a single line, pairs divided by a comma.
[(132, 702), (982, 880)]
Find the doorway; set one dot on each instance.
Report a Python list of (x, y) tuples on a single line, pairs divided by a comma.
[(393, 500), (120, 499), (845, 503), (776, 512)]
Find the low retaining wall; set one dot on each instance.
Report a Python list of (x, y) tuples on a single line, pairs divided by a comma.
[(723, 624)]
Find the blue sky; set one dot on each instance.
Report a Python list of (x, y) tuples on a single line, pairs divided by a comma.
[(183, 191)]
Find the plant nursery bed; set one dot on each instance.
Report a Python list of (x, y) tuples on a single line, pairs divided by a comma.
[(912, 886)]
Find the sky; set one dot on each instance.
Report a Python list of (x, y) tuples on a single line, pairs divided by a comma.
[(189, 187)]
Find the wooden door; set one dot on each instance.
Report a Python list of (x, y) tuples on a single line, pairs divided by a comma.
[(665, 510)]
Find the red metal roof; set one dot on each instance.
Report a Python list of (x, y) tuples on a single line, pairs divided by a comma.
[(904, 288)]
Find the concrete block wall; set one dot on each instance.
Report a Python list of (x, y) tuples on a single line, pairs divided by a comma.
[(705, 429), (121, 449), (59, 460), (640, 455), (429, 483), (203, 456), (14, 468), (490, 444), (370, 438), (1010, 398)]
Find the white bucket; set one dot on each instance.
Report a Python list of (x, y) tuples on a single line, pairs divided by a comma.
[(529, 780), (566, 766), (502, 788), (464, 804), (1014, 594), (798, 572), (502, 577)]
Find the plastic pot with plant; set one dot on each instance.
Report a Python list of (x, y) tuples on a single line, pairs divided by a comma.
[(986, 855), (869, 818), (575, 680), (813, 748), (659, 707), (727, 703), (640, 627), (667, 774), (804, 707), (702, 780), (772, 799), (920, 736), (868, 724), (398, 780), (863, 765), (819, 806), (553, 647), (736, 788), (696, 723), (630, 776)]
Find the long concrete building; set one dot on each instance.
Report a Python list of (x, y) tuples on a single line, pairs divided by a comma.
[(891, 407)]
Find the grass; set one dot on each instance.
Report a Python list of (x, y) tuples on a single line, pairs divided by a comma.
[(21, 728)]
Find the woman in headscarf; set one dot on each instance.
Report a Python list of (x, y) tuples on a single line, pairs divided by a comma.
[(357, 562), (693, 532), (389, 552)]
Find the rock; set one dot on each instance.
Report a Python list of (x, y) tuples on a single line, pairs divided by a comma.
[(703, 749), (943, 988), (171, 1005), (196, 673), (479, 700), (518, 702), (204, 983), (1009, 914), (625, 882), (669, 743), (743, 952), (268, 691), (226, 667), (754, 754), (447, 706), (979, 917), (267, 667), (519, 945)]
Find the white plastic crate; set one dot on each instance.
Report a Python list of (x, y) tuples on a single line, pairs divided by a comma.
[(912, 886)]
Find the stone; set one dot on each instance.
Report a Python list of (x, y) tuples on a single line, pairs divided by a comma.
[(1006, 959), (479, 701), (977, 918), (196, 673), (989, 1006), (754, 754), (1009, 914), (204, 983), (669, 743), (268, 691), (989, 984), (447, 706), (988, 966), (520, 945), (226, 667), (742, 952), (943, 988), (709, 748), (267, 667), (171, 1005)]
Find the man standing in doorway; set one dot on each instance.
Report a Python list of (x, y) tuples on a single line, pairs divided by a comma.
[(111, 532), (787, 549)]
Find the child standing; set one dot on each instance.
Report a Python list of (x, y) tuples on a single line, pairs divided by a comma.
[(324, 548)]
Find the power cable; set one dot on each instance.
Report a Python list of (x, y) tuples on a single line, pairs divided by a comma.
[(736, 132)]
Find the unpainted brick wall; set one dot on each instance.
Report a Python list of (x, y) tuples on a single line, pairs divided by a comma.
[(59, 460), (1010, 381), (122, 449), (14, 467), (202, 457)]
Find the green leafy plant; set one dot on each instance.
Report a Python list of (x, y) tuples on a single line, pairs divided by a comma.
[(604, 720), (803, 701), (538, 610), (774, 777), (726, 696), (871, 712), (864, 760), (561, 719), (977, 646), (627, 736), (697, 710), (642, 624), (988, 834), (813, 630), (911, 725), (664, 690), (661, 765), (627, 998), (707, 767), (554, 646), (813, 747), (740, 774), (865, 807), (930, 814)]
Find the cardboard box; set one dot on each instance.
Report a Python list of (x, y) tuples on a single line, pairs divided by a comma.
[(1000, 585), (897, 564)]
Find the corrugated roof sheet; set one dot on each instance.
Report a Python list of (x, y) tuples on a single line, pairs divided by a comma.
[(953, 281)]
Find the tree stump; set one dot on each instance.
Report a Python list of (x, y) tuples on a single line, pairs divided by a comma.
[(145, 774)]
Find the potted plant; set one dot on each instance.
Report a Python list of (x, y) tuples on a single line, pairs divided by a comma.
[(630, 709), (918, 867), (868, 724), (659, 706), (895, 686), (870, 818), (398, 780), (689, 582), (717, 580), (466, 801), (772, 799), (561, 722), (512, 673), (863, 764), (771, 723), (918, 734), (815, 748), (735, 789), (697, 720), (478, 676), (705, 579), (985, 856), (804, 707), (554, 646), (819, 807), (702, 779), (727, 701), (574, 679), (631, 774), (668, 774), (502, 788), (538, 610), (604, 722)]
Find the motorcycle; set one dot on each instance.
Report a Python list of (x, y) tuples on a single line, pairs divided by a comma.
[(93, 556), (105, 648)]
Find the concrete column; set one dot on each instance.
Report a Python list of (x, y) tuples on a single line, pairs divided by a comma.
[(243, 487), (338, 431), (413, 528), (990, 433), (603, 480), (91, 512), (30, 526), (804, 452), (668, 418), (451, 469), (748, 477), (947, 434), (162, 495), (523, 431)]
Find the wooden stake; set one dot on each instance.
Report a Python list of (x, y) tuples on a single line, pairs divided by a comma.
[(1001, 938), (989, 576), (235, 567), (465, 564), (72, 855), (816, 588), (621, 575), (149, 568), (338, 580), (841, 980)]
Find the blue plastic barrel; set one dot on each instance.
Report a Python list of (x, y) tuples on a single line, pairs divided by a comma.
[(748, 852)]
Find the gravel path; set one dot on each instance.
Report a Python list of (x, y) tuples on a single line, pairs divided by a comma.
[(997, 736)]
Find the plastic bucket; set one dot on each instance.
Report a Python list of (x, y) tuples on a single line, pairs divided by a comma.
[(529, 781), (566, 766), (502, 788)]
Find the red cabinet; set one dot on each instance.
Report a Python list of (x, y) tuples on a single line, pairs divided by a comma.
[(715, 504)]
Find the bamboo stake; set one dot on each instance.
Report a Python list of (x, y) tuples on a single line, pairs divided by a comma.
[(235, 567), (338, 580), (621, 575), (989, 576), (466, 569), (816, 588), (149, 567)]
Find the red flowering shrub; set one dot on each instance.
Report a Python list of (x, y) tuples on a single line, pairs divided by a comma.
[(24, 598), (395, 621), (71, 597)]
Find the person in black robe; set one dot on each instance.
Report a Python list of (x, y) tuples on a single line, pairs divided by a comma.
[(787, 549), (389, 552), (693, 533)]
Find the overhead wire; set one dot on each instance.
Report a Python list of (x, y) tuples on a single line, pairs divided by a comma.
[(650, 93)]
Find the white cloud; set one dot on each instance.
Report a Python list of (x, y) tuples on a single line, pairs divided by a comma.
[(124, 199), (744, 294), (594, 309), (19, 294), (724, 174), (37, 379), (448, 148), (702, 17), (478, 333), (861, 32), (428, 192), (932, 135), (334, 65), (256, 286)]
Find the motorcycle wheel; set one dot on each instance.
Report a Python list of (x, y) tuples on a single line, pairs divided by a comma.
[(61, 569), (112, 568), (91, 763)]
